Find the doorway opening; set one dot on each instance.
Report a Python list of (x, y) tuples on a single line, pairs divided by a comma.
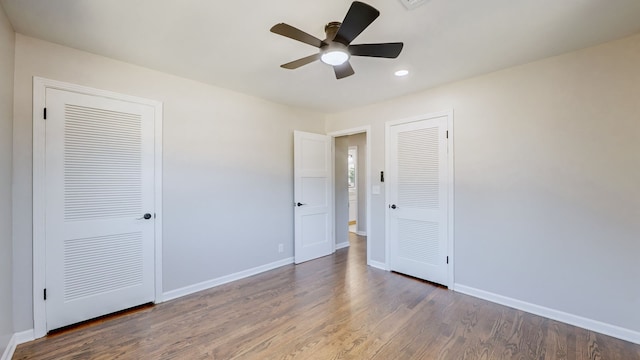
[(351, 183)]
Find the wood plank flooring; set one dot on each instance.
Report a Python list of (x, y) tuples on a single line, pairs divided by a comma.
[(331, 308)]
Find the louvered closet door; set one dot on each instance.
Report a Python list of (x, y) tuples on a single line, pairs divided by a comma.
[(417, 211), (99, 174)]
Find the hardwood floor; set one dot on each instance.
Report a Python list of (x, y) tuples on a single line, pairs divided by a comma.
[(331, 308)]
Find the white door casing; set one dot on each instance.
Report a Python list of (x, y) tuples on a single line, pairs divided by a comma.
[(313, 214), (97, 160), (99, 183), (418, 198)]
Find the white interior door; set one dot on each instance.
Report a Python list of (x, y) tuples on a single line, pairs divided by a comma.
[(99, 186), (313, 217), (418, 199)]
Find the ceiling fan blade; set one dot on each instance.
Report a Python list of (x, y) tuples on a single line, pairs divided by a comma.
[(385, 50), (300, 62), (344, 70), (296, 34), (359, 16)]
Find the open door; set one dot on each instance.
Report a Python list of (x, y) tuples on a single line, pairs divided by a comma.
[(313, 215)]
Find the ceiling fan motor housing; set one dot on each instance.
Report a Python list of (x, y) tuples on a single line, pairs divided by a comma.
[(331, 29), (332, 52)]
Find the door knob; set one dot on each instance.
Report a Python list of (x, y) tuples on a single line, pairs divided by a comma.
[(300, 204), (393, 206), (146, 216)]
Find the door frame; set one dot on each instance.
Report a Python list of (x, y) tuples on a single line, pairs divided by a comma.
[(39, 185), (450, 186), (352, 131)]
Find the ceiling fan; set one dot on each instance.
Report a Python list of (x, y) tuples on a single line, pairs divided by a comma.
[(336, 49)]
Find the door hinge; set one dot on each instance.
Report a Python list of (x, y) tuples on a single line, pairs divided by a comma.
[(447, 134), (447, 259), (45, 294), (45, 113)]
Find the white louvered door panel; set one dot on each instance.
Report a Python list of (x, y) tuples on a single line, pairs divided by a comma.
[(100, 176), (418, 186)]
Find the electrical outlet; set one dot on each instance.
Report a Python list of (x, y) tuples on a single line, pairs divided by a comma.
[(280, 247)]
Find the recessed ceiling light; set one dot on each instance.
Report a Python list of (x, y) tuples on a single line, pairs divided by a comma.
[(401, 73)]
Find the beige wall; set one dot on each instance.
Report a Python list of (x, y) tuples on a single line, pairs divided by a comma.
[(7, 40), (547, 169), (227, 167)]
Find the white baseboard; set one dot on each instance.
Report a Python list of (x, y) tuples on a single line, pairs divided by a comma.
[(187, 290), (571, 319), (361, 233), (378, 265), (25, 336), (342, 245), (17, 339)]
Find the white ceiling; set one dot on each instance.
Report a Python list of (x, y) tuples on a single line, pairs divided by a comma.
[(228, 43)]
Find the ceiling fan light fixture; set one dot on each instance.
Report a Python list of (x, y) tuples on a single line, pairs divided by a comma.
[(334, 57), (336, 49)]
